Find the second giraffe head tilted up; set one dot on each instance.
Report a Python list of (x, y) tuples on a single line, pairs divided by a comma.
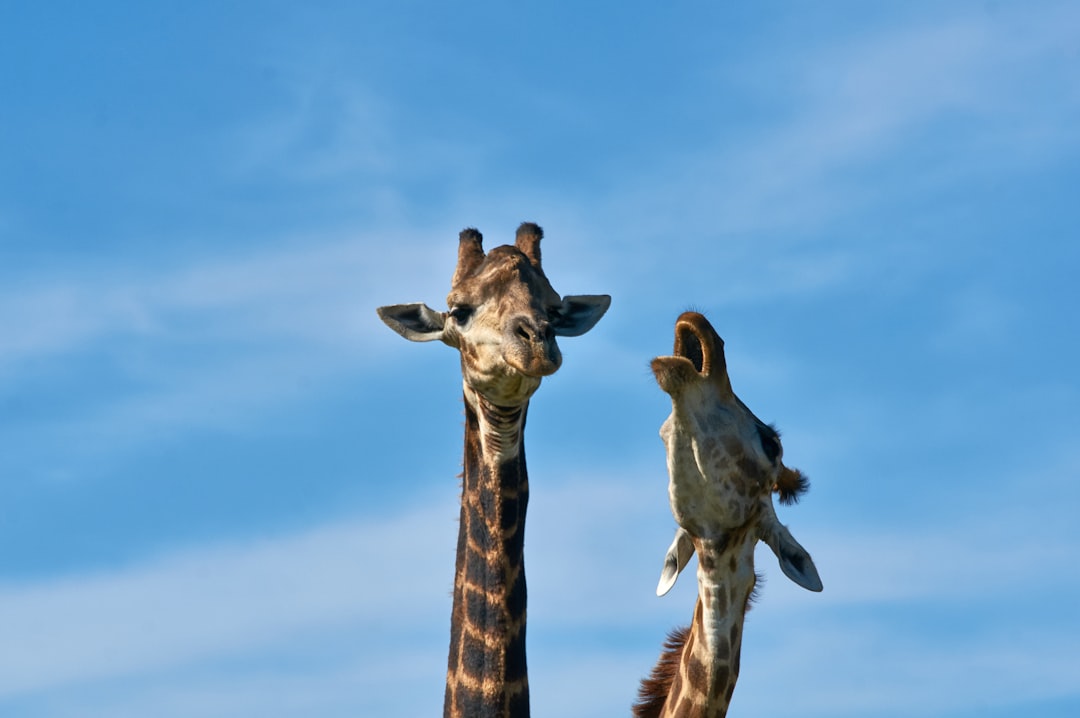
[(503, 318), (724, 465)]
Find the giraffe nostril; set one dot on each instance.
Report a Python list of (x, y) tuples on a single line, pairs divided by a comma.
[(523, 332)]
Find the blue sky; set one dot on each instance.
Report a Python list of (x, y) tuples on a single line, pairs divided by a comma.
[(226, 489)]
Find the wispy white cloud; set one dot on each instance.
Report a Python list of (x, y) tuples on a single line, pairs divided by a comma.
[(320, 289), (214, 341), (869, 104), (835, 667), (227, 602), (334, 132), (334, 687), (955, 565), (156, 626), (222, 600)]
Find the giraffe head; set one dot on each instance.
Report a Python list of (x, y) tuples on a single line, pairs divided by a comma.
[(503, 317), (724, 463)]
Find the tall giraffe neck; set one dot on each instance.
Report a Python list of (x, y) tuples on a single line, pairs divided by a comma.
[(486, 674), (696, 676)]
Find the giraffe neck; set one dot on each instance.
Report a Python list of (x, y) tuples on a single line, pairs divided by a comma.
[(486, 674), (708, 662)]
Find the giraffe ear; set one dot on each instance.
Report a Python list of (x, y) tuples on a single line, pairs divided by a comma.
[(682, 548), (415, 322), (579, 313), (794, 560)]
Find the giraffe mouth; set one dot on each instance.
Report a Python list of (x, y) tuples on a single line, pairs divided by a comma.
[(692, 341), (532, 360), (698, 356)]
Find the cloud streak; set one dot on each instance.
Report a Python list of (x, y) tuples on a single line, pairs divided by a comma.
[(215, 601), (227, 603), (319, 290), (868, 105)]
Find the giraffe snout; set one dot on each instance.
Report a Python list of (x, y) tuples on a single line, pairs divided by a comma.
[(533, 331), (532, 346)]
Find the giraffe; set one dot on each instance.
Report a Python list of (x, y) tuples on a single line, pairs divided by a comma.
[(723, 464), (503, 318)]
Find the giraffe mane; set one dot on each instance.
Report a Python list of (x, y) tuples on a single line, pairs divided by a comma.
[(655, 689), (791, 485)]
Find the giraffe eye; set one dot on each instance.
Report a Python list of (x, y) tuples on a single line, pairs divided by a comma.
[(460, 313)]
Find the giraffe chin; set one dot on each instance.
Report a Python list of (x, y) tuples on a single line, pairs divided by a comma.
[(534, 364)]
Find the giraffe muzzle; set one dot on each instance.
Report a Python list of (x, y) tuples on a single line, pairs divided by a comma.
[(531, 347)]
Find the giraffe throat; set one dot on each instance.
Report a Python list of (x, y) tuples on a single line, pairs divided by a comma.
[(499, 430)]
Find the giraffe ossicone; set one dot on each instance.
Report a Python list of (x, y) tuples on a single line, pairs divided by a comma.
[(504, 317), (724, 464)]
